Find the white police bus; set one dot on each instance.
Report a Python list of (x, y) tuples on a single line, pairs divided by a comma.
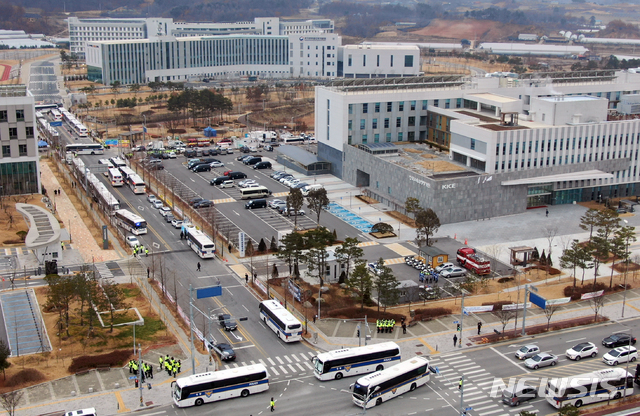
[(376, 388), (281, 321), (214, 386), (349, 362), (200, 243), (588, 388), (130, 221)]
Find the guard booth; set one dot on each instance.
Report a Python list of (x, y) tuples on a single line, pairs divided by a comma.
[(521, 255), (433, 256)]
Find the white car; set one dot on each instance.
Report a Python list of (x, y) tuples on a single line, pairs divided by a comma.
[(293, 183), (171, 155), (275, 202), (176, 223), (444, 266), (132, 241), (246, 183), (582, 350), (164, 211), (216, 164), (157, 204), (620, 355), (151, 198)]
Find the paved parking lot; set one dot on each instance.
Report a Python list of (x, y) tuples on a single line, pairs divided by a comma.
[(43, 82)]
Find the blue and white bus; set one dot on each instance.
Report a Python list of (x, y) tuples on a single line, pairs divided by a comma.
[(131, 222), (589, 388), (376, 388), (349, 362), (281, 321), (214, 386), (200, 243)]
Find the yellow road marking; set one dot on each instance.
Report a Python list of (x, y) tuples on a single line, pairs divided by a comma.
[(223, 201), (368, 243), (122, 408), (400, 249)]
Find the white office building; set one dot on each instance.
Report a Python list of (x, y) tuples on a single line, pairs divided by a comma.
[(84, 30), (19, 168), (379, 61), (517, 143)]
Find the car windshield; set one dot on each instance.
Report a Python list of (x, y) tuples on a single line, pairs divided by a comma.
[(507, 393), (319, 365), (524, 349), (536, 358), (614, 337), (614, 353)]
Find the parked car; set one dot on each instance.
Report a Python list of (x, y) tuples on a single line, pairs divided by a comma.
[(227, 184), (301, 185), (227, 322), (268, 148), (516, 394), (224, 351), (216, 164), (245, 183), (276, 173), (620, 355), (275, 202), (205, 203), (262, 165), (203, 167), (169, 218), (218, 180), (192, 162), (291, 212), (527, 351), (176, 223), (444, 266), (132, 241), (172, 155), (582, 350), (374, 268), (157, 204), (236, 175), (195, 200), (618, 340), (543, 359), (256, 203), (151, 198), (252, 160), (453, 272), (241, 158), (164, 211)]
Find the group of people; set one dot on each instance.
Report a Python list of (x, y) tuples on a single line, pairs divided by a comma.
[(139, 249), (430, 276), (147, 369), (385, 325), (170, 364)]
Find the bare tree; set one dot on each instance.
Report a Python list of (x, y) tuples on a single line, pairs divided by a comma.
[(505, 316), (549, 310), (596, 303), (550, 233), (11, 400)]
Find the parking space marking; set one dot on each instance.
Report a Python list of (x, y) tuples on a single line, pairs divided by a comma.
[(223, 201)]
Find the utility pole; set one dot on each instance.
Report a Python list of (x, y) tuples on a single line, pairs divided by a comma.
[(462, 411), (461, 319), (527, 289), (193, 359), (140, 371)]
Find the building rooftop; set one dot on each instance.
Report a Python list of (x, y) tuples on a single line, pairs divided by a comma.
[(570, 98), (13, 91), (398, 83)]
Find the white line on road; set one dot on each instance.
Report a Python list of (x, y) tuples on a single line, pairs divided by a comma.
[(271, 361), (243, 347), (574, 340), (279, 360), (508, 359), (245, 308)]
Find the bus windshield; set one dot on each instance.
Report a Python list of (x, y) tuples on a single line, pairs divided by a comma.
[(360, 390)]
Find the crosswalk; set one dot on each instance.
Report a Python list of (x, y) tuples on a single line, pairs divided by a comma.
[(104, 271), (281, 366), (478, 383)]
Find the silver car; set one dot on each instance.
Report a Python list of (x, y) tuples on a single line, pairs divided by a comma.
[(543, 359), (453, 272)]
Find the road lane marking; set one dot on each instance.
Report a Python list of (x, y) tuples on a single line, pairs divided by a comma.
[(245, 346), (509, 360), (577, 339), (271, 361), (279, 360)]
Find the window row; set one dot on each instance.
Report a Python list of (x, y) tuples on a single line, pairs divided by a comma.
[(560, 144), (6, 151), (411, 135)]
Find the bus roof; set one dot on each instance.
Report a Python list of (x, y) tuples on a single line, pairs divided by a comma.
[(222, 374), (347, 352), (599, 375), (386, 374)]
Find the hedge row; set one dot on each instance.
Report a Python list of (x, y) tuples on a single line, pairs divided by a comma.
[(430, 313), (114, 359), (356, 312), (576, 293), (26, 376)]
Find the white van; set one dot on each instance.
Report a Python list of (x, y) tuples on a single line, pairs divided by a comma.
[(91, 411), (226, 184), (309, 188)]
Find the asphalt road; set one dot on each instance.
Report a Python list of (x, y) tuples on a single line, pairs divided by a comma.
[(484, 368)]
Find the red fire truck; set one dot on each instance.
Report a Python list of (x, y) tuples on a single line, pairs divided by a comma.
[(468, 259)]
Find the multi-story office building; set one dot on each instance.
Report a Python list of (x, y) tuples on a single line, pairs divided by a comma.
[(19, 169), (516, 144), (379, 61), (229, 56), (84, 30)]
